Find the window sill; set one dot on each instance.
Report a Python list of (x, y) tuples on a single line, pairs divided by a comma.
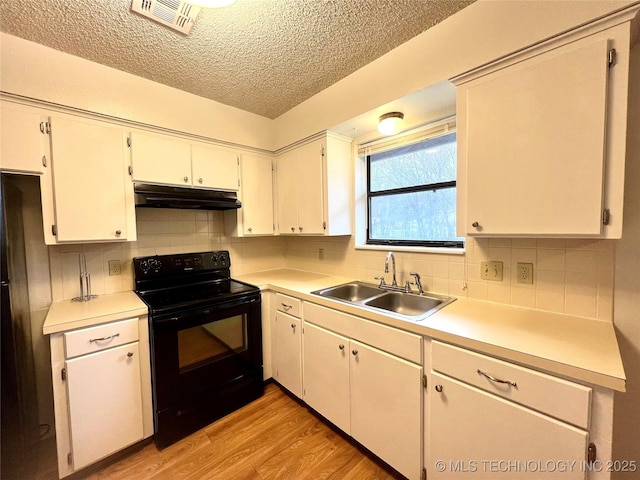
[(437, 250)]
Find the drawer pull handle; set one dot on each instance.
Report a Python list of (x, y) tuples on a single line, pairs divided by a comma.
[(286, 307), (91, 340), (497, 380)]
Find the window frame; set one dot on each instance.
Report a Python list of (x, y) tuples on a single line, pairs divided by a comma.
[(369, 242)]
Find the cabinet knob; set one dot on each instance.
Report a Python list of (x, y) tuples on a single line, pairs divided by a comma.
[(293, 325), (341, 347), (475, 225), (200, 180), (249, 229), (354, 352), (439, 388), (300, 228), (129, 354), (293, 229), (118, 233), (186, 179)]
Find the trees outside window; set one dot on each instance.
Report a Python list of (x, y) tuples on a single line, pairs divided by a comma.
[(411, 194)]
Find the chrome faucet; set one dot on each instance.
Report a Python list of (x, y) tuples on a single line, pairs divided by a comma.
[(394, 283), (417, 283)]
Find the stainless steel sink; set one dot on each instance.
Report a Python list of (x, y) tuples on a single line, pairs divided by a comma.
[(402, 305), (405, 303), (352, 292)]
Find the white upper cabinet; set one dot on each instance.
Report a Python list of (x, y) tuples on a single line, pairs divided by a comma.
[(256, 194), (313, 183), (168, 160), (160, 159), (93, 196), (214, 167), (541, 139), (24, 143)]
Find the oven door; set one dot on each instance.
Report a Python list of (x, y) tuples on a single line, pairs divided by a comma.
[(201, 351)]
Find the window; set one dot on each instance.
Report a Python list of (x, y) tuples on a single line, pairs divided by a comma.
[(411, 194)]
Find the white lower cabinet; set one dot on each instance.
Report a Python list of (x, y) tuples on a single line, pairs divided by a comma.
[(102, 391), (326, 375), (373, 395), (286, 337), (486, 420), (105, 397)]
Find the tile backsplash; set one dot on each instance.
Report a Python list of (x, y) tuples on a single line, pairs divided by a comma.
[(570, 276), (160, 231)]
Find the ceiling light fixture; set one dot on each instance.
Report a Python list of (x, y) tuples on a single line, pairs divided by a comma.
[(212, 3), (390, 123)]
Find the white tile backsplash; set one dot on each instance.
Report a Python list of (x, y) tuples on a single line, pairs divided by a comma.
[(570, 276)]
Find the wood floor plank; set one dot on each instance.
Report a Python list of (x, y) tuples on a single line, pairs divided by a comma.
[(274, 438)]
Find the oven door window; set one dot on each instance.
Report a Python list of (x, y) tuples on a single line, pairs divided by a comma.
[(211, 342)]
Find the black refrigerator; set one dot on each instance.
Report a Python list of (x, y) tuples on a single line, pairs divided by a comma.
[(19, 408)]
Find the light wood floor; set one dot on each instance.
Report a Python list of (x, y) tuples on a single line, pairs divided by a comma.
[(273, 438)]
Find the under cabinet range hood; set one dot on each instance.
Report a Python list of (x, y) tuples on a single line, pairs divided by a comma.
[(163, 196)]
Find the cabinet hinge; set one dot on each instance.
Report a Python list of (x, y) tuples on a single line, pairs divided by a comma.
[(612, 57), (47, 128), (44, 161), (43, 128), (130, 170), (129, 142), (238, 160), (423, 475), (591, 453), (322, 151), (324, 225), (238, 182), (69, 458), (606, 214), (424, 381), (54, 230), (63, 374)]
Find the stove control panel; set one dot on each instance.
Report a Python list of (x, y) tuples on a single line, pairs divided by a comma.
[(161, 266)]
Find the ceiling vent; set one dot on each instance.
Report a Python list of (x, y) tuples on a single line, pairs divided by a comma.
[(175, 14)]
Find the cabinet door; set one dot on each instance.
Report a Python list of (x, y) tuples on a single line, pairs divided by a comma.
[(160, 159), (257, 195), (89, 181), (23, 139), (287, 185), (478, 435), (214, 167), (386, 406), (535, 144), (326, 374), (309, 162), (287, 356), (105, 403)]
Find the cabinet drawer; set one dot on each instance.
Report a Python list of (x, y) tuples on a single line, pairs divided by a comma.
[(554, 396), (287, 304), (100, 337), (392, 340)]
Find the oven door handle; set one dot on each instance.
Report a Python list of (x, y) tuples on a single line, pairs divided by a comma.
[(173, 318)]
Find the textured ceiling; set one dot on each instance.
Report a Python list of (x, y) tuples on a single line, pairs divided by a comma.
[(262, 56)]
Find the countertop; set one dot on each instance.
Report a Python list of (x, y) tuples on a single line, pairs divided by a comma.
[(68, 315), (579, 348)]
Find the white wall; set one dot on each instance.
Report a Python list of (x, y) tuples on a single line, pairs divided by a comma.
[(34, 71), (482, 32), (626, 433)]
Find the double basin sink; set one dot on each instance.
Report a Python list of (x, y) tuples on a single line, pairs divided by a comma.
[(402, 305)]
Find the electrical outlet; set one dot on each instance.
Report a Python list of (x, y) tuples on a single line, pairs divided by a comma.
[(491, 271), (525, 273), (114, 267)]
